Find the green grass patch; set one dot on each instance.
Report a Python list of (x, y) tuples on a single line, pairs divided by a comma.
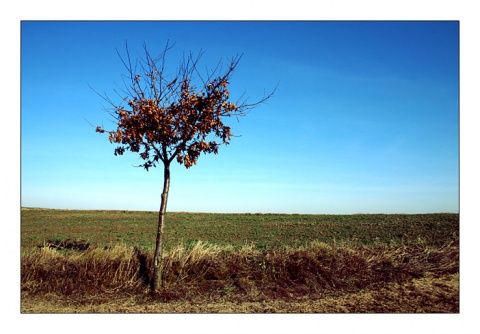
[(263, 231)]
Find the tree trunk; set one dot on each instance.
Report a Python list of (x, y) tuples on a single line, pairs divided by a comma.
[(157, 272)]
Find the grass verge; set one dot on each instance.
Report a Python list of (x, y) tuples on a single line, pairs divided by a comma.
[(382, 278)]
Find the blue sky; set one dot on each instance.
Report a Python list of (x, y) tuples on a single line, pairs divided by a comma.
[(365, 118)]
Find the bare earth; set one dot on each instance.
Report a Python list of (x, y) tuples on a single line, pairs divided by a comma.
[(424, 295)]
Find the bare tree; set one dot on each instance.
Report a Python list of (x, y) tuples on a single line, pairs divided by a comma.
[(166, 117)]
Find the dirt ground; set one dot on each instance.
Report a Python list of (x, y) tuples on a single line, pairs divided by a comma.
[(424, 295)]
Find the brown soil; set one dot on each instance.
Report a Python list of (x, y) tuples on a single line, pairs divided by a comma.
[(423, 295)]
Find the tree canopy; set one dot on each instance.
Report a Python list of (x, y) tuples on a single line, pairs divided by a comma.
[(163, 119)]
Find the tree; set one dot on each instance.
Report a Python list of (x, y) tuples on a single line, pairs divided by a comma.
[(167, 117)]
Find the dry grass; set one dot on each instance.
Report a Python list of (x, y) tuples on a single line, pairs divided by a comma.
[(95, 271), (423, 295), (317, 278)]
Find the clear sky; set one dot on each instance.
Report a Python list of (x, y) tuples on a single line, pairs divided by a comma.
[(365, 118)]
